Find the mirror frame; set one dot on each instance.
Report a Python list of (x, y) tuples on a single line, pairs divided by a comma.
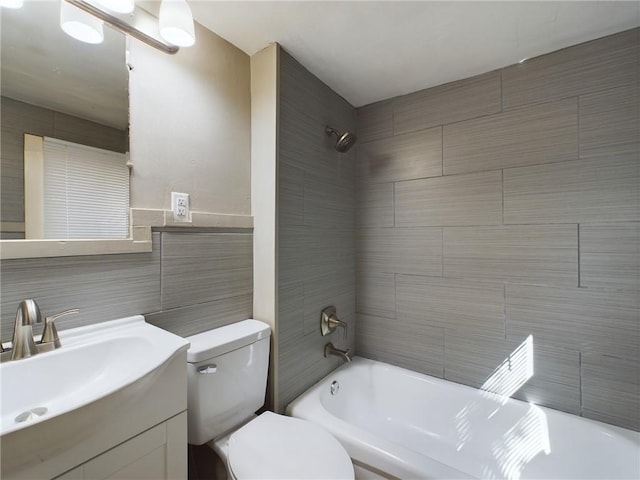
[(142, 221), (23, 248)]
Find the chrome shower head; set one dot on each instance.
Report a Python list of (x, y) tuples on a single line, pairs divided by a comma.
[(345, 140)]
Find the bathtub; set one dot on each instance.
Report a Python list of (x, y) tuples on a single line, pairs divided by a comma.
[(396, 423)]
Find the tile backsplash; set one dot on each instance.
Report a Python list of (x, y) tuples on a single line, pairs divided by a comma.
[(189, 283)]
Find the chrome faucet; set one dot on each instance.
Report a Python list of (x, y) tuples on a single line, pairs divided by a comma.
[(23, 345), (329, 349)]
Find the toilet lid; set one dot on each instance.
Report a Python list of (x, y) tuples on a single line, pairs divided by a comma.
[(279, 447)]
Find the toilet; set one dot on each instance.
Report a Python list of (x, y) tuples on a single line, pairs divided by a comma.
[(227, 378)]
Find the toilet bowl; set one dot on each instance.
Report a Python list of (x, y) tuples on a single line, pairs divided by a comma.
[(227, 374)]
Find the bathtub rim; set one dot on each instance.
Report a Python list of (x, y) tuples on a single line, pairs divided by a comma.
[(309, 404)]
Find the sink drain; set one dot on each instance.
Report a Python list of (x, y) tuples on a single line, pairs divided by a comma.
[(31, 414), (335, 386)]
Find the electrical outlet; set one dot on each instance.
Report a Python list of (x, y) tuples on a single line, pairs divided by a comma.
[(180, 206)]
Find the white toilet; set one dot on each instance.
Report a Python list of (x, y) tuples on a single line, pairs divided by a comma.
[(227, 379)]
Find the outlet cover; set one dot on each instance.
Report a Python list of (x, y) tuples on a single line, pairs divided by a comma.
[(180, 207)]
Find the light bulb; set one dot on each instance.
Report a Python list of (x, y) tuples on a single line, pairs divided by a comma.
[(120, 6), (176, 23), (79, 24)]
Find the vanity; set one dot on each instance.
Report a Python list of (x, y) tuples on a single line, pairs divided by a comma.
[(109, 403)]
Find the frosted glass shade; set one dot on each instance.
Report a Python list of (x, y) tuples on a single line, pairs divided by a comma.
[(11, 3), (120, 6), (176, 23), (80, 25)]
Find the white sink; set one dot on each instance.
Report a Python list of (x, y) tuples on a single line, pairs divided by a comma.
[(94, 361)]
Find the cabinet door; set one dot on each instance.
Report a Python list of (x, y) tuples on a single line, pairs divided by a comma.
[(158, 453), (142, 457), (75, 474)]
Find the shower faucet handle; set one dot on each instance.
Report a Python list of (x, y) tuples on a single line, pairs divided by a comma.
[(329, 321)]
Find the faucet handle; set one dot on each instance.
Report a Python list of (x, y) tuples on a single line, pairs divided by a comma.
[(335, 322), (50, 333), (329, 321)]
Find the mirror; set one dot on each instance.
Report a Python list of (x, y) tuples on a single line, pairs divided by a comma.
[(58, 87)]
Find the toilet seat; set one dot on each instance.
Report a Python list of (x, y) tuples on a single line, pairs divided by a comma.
[(279, 447)]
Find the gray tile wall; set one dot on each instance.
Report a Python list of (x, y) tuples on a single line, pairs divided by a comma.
[(18, 118), (523, 219), (316, 230), (189, 283)]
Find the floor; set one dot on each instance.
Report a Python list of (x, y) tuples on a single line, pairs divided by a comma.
[(203, 462)]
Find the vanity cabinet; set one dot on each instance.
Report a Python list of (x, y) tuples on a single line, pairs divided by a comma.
[(140, 431), (160, 452)]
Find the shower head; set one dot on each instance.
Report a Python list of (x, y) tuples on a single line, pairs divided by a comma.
[(345, 140)]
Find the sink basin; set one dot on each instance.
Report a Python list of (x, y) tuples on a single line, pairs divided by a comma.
[(94, 361)]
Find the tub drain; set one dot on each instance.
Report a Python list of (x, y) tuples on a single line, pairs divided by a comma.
[(31, 414)]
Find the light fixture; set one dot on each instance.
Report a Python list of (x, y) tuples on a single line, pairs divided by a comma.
[(176, 23), (80, 25), (120, 6), (11, 3), (175, 17)]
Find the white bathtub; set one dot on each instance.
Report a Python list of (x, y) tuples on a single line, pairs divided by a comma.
[(396, 423)]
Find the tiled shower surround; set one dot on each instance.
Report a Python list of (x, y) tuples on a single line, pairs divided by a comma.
[(316, 227), (508, 205)]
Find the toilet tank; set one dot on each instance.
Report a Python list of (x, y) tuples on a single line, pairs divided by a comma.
[(227, 378)]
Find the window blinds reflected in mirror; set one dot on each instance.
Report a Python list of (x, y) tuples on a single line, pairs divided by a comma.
[(84, 191)]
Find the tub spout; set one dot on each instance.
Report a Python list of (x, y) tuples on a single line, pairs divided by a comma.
[(329, 349)]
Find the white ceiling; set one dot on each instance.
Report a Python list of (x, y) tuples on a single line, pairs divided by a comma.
[(369, 51), (365, 51)]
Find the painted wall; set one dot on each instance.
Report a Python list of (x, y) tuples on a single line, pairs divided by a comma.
[(316, 227), (190, 131), (264, 187), (508, 205)]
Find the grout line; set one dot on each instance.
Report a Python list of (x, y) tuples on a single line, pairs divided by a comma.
[(578, 127), (554, 100), (482, 225), (501, 90), (442, 249), (580, 381), (444, 352), (442, 150), (393, 202), (502, 192), (473, 172), (161, 262), (578, 242), (504, 308), (197, 304), (395, 295), (393, 118)]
